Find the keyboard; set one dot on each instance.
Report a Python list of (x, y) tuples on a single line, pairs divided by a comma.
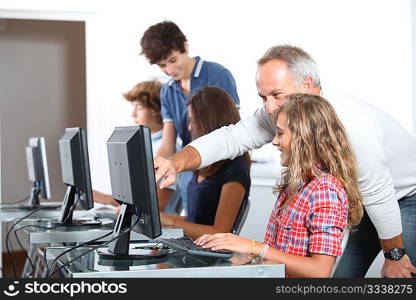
[(186, 244)]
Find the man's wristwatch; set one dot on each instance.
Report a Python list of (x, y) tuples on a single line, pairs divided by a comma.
[(395, 254)]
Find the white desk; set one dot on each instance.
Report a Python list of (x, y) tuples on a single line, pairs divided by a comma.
[(10, 212), (72, 234), (174, 265)]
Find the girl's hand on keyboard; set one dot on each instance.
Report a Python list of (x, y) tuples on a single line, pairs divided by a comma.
[(225, 241)]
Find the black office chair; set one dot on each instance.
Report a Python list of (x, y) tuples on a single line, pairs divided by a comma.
[(241, 217)]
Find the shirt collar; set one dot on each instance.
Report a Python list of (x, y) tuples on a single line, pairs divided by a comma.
[(318, 171), (198, 66), (196, 71)]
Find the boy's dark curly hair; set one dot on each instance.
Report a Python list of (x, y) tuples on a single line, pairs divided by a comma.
[(160, 40)]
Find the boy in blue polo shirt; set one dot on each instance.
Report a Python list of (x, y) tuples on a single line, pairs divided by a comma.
[(164, 44)]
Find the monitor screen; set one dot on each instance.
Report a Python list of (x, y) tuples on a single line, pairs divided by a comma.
[(133, 185), (37, 166), (73, 150)]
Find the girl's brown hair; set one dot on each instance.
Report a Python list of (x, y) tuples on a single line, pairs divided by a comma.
[(212, 108)]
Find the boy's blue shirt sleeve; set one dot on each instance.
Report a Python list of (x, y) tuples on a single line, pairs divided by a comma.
[(225, 80), (165, 109)]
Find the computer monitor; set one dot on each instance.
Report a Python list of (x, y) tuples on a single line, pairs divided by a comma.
[(37, 167), (73, 150), (133, 185)]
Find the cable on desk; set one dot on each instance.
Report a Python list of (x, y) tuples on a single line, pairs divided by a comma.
[(23, 199), (91, 249), (9, 255), (15, 233), (18, 240), (88, 242), (18, 201), (27, 255), (73, 248), (7, 241)]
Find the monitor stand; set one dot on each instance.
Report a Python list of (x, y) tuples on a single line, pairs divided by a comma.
[(34, 203), (66, 217), (119, 248)]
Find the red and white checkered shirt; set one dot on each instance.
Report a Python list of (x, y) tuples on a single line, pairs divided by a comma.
[(313, 223)]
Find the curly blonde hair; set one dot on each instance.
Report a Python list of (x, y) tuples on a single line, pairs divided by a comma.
[(319, 145)]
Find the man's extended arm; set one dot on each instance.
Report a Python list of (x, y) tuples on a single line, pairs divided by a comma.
[(226, 142), (231, 141)]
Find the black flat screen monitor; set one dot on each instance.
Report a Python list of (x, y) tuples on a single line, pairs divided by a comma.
[(37, 166), (73, 150), (133, 185)]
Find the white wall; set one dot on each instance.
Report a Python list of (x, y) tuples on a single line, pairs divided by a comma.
[(362, 47)]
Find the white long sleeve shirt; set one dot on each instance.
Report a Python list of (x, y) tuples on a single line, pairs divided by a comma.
[(385, 153)]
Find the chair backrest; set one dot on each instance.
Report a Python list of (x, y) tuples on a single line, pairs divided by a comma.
[(241, 217)]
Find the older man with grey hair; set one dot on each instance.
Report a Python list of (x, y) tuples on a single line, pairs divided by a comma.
[(385, 154)]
